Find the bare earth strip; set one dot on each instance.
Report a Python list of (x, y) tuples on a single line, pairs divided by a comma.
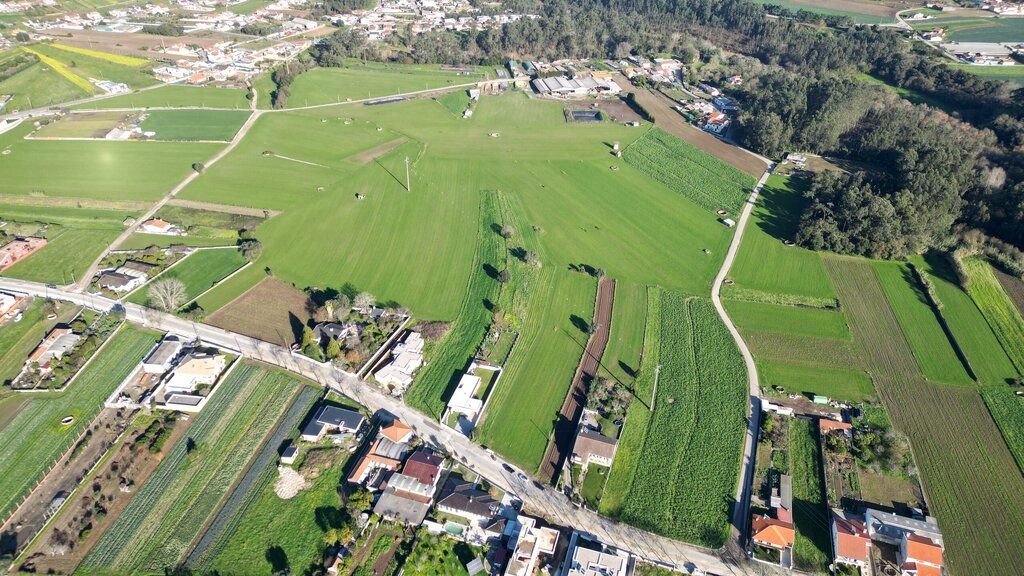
[(56, 202), (225, 208), (373, 153)]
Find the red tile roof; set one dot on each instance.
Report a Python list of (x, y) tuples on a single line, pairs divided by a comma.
[(825, 425), (852, 539), (396, 431), (921, 549), (771, 532)]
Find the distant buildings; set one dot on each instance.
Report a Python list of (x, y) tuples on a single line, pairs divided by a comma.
[(564, 86)]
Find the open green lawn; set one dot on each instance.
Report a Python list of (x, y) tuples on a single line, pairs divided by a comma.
[(370, 80), (593, 485), (788, 319), (175, 96), (100, 170), (171, 509), (33, 440), (909, 300), (764, 263), (845, 385), (88, 67), (38, 86), (812, 549), (621, 359), (436, 555), (186, 125), (199, 271)]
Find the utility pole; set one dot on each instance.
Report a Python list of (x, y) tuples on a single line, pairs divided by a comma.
[(407, 187)]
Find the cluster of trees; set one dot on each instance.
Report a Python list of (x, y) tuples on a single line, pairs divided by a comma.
[(165, 29), (259, 29)]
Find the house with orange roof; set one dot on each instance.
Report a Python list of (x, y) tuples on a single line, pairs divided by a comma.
[(372, 466), (57, 343), (920, 556), (397, 431), (826, 425), (850, 539), (772, 532)]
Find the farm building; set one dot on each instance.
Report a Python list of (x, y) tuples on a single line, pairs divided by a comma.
[(19, 249), (289, 455), (161, 358), (562, 86), (332, 419), (158, 226)]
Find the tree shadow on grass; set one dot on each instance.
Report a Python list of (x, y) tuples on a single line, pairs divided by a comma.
[(278, 560)]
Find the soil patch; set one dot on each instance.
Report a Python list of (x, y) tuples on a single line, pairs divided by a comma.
[(289, 483), (372, 154), (271, 311), (1014, 288)]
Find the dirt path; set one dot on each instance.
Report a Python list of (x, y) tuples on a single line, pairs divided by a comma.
[(669, 120), (572, 409), (373, 153), (225, 208)]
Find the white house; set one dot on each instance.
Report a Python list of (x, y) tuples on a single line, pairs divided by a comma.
[(160, 359), (195, 368)]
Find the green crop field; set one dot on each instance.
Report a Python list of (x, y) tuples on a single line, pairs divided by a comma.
[(33, 440), (96, 170), (945, 424), (990, 30), (997, 308), (839, 384), (359, 81), (796, 349), (870, 14), (455, 102), (199, 271), (764, 263), (38, 86), (708, 181), (88, 66), (812, 549), (972, 333), (788, 319), (1013, 74), (685, 472), (169, 512), (621, 359), (185, 125), (175, 96), (933, 350)]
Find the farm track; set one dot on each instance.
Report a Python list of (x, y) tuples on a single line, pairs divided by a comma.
[(569, 416)]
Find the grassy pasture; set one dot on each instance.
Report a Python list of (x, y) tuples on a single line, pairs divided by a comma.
[(1013, 74), (621, 359), (37, 86), (955, 441), (199, 271), (997, 308), (170, 510), (990, 30), (96, 170), (63, 70), (847, 385), (933, 350), (174, 96), (788, 319), (91, 125), (764, 263), (686, 470), (371, 80), (186, 125), (34, 439), (796, 349), (89, 65)]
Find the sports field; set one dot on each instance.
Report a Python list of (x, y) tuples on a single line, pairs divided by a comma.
[(199, 271), (169, 512), (174, 97), (33, 440), (189, 125)]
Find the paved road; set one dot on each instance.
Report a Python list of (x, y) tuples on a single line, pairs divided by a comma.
[(539, 500), (739, 518)]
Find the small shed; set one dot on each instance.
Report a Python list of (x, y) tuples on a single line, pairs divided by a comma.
[(288, 456), (819, 399), (728, 222)]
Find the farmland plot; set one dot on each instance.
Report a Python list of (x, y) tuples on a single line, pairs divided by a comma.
[(711, 183), (997, 308), (199, 272), (162, 521), (812, 548), (954, 439), (702, 373), (35, 438)]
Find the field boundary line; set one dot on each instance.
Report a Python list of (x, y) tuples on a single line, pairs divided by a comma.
[(157, 277), (218, 282)]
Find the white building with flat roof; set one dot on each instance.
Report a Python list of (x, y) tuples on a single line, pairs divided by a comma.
[(591, 558), (463, 401)]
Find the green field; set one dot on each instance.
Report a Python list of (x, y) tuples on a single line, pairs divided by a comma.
[(836, 383), (171, 509), (621, 359), (187, 125), (812, 549), (1013, 74), (34, 439), (174, 97), (88, 66), (87, 125), (687, 461), (764, 263), (933, 350), (38, 86), (359, 81), (788, 319), (96, 170), (866, 17), (997, 308), (199, 271), (140, 241), (989, 30), (708, 181)]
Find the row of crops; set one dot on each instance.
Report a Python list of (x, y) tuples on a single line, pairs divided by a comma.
[(454, 351), (686, 473), (169, 512), (812, 549), (998, 309), (711, 183), (34, 439)]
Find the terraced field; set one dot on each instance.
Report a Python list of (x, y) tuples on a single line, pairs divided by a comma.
[(169, 513)]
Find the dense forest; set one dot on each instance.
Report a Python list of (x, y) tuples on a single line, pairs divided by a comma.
[(930, 173)]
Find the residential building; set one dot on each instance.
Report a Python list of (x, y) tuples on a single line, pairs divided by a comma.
[(404, 499), (334, 331), (591, 558), (383, 456), (772, 532), (332, 419), (425, 466), (593, 447), (397, 432), (407, 357), (850, 539), (463, 400), (827, 426), (7, 302), (412, 343), (162, 357), (920, 556), (533, 547), (19, 249), (118, 282), (195, 369), (890, 528), (54, 346), (158, 226), (136, 269), (461, 498)]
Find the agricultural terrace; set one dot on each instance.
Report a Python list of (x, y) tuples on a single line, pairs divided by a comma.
[(361, 80), (76, 236), (34, 439), (173, 96), (556, 177), (709, 182), (190, 125), (96, 170), (169, 512), (200, 271), (701, 370), (944, 423)]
